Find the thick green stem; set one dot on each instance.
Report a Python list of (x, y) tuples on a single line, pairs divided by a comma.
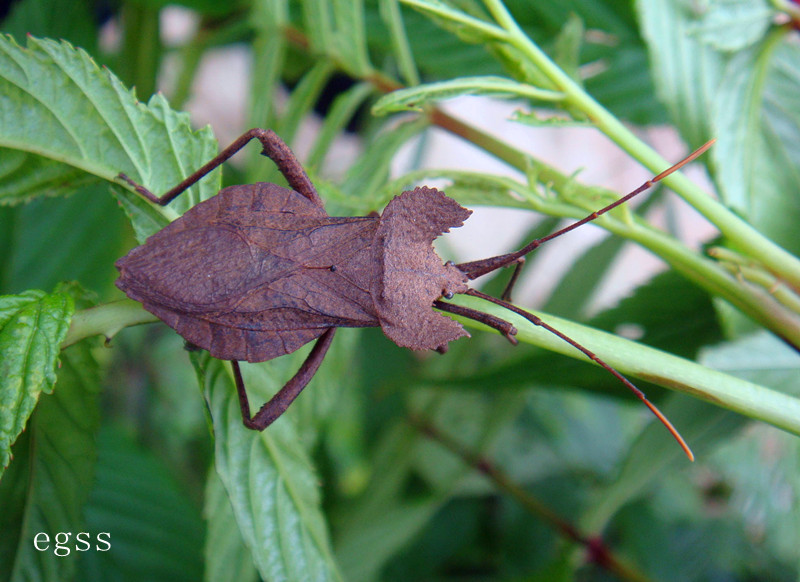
[(714, 278), (779, 409), (106, 320)]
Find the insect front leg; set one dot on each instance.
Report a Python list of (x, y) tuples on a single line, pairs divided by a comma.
[(278, 404), (487, 319), (273, 147)]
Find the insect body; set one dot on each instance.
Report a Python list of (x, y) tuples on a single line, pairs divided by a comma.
[(258, 271)]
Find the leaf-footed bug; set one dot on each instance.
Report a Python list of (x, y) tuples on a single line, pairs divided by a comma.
[(258, 271)]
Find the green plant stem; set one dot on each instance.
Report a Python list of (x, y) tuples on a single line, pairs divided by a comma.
[(106, 320), (745, 269), (715, 279), (776, 259), (646, 363), (769, 283)]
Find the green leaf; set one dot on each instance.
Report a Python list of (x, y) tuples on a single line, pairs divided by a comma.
[(210, 7), (51, 474), (380, 522), (468, 27), (757, 121), (271, 485), (337, 28), (701, 425), (339, 115), (685, 69), (32, 327), (227, 557), (760, 358), (25, 176), (626, 86), (71, 21), (567, 46), (731, 25), (371, 171), (319, 25), (385, 520), (60, 239), (300, 103), (401, 47), (466, 187), (350, 39), (612, 53), (370, 544), (58, 104), (759, 482), (302, 99), (416, 98), (437, 54), (571, 296), (155, 529), (268, 18)]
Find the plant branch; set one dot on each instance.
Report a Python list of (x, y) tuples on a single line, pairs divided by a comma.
[(778, 260), (596, 549), (106, 320), (652, 365)]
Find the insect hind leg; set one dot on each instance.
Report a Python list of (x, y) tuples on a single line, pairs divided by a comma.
[(278, 404), (272, 146)]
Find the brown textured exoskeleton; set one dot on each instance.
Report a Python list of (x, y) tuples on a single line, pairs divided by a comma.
[(258, 271)]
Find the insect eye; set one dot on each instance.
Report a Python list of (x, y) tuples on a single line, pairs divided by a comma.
[(447, 294), (332, 268), (449, 264)]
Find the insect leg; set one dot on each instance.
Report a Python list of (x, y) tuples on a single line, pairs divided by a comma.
[(273, 147), (591, 355), (501, 325), (270, 411), (277, 150), (506, 296)]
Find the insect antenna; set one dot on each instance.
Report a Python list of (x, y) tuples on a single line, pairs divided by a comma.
[(475, 269), (639, 394)]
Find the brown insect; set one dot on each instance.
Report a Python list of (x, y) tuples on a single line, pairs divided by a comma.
[(258, 271)]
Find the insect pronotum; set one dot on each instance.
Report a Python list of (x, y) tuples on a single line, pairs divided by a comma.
[(258, 270)]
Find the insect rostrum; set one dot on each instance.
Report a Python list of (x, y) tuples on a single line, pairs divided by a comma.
[(258, 271)]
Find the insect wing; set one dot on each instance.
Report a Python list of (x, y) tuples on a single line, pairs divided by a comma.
[(246, 274)]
